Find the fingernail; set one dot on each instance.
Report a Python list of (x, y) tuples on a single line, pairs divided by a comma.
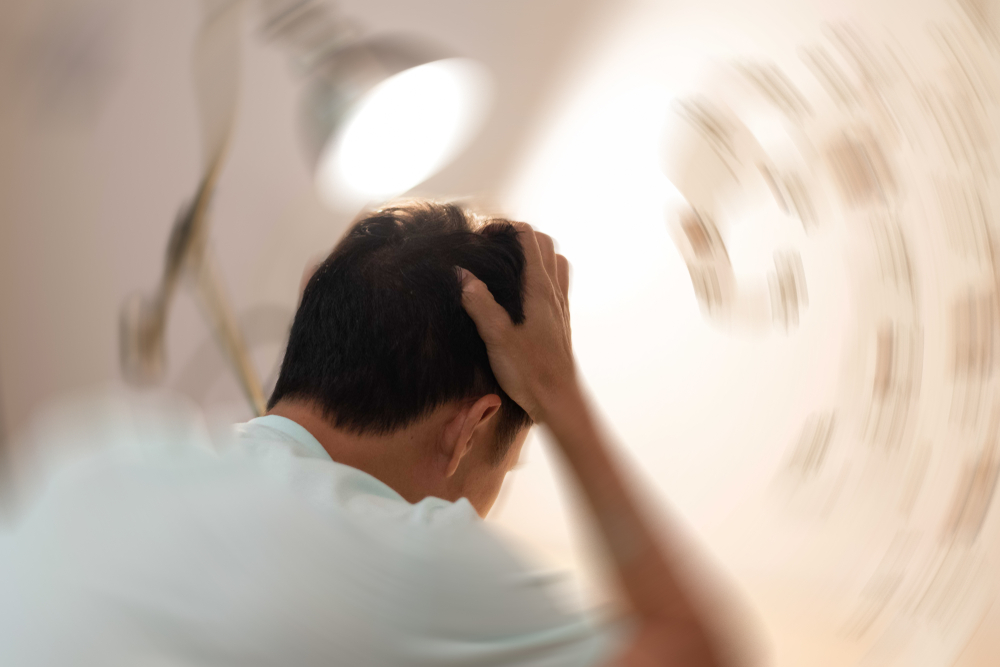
[(462, 274)]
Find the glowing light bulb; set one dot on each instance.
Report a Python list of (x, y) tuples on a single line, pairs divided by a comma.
[(404, 130)]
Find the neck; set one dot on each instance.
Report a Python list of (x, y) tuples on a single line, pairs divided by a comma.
[(402, 460)]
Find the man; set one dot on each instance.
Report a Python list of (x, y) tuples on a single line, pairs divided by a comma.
[(344, 527)]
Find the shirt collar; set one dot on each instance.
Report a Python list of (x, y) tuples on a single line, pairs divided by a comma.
[(309, 447), (296, 432)]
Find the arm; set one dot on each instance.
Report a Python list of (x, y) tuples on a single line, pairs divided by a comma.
[(534, 364)]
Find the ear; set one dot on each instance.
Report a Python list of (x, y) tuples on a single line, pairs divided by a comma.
[(458, 434)]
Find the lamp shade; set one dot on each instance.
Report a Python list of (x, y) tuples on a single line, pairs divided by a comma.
[(382, 115)]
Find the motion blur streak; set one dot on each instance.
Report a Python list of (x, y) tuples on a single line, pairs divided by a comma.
[(782, 217), (818, 386)]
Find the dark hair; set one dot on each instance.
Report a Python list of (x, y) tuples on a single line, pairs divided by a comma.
[(381, 339)]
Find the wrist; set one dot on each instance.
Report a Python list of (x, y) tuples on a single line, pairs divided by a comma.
[(561, 405)]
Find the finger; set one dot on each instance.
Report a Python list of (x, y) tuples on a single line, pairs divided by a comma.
[(489, 316), (547, 247), (534, 267), (562, 276)]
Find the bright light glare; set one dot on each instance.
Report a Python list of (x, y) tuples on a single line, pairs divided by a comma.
[(405, 129)]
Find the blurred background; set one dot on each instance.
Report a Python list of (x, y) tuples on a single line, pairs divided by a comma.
[(781, 216)]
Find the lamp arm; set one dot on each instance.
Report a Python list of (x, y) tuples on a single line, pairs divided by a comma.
[(144, 319)]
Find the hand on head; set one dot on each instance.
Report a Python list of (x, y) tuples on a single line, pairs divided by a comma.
[(532, 361)]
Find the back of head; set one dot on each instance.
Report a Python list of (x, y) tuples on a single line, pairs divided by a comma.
[(381, 339)]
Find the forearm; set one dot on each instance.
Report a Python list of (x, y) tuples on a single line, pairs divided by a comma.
[(647, 574)]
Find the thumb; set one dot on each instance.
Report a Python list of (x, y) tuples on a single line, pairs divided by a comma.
[(489, 316)]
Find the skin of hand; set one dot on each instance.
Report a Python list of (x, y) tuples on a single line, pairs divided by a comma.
[(533, 361)]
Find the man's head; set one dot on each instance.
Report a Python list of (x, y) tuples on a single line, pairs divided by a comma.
[(381, 342)]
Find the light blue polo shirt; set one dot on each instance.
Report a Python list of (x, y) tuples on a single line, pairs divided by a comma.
[(181, 550)]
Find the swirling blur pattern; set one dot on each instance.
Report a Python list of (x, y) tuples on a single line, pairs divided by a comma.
[(833, 199)]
